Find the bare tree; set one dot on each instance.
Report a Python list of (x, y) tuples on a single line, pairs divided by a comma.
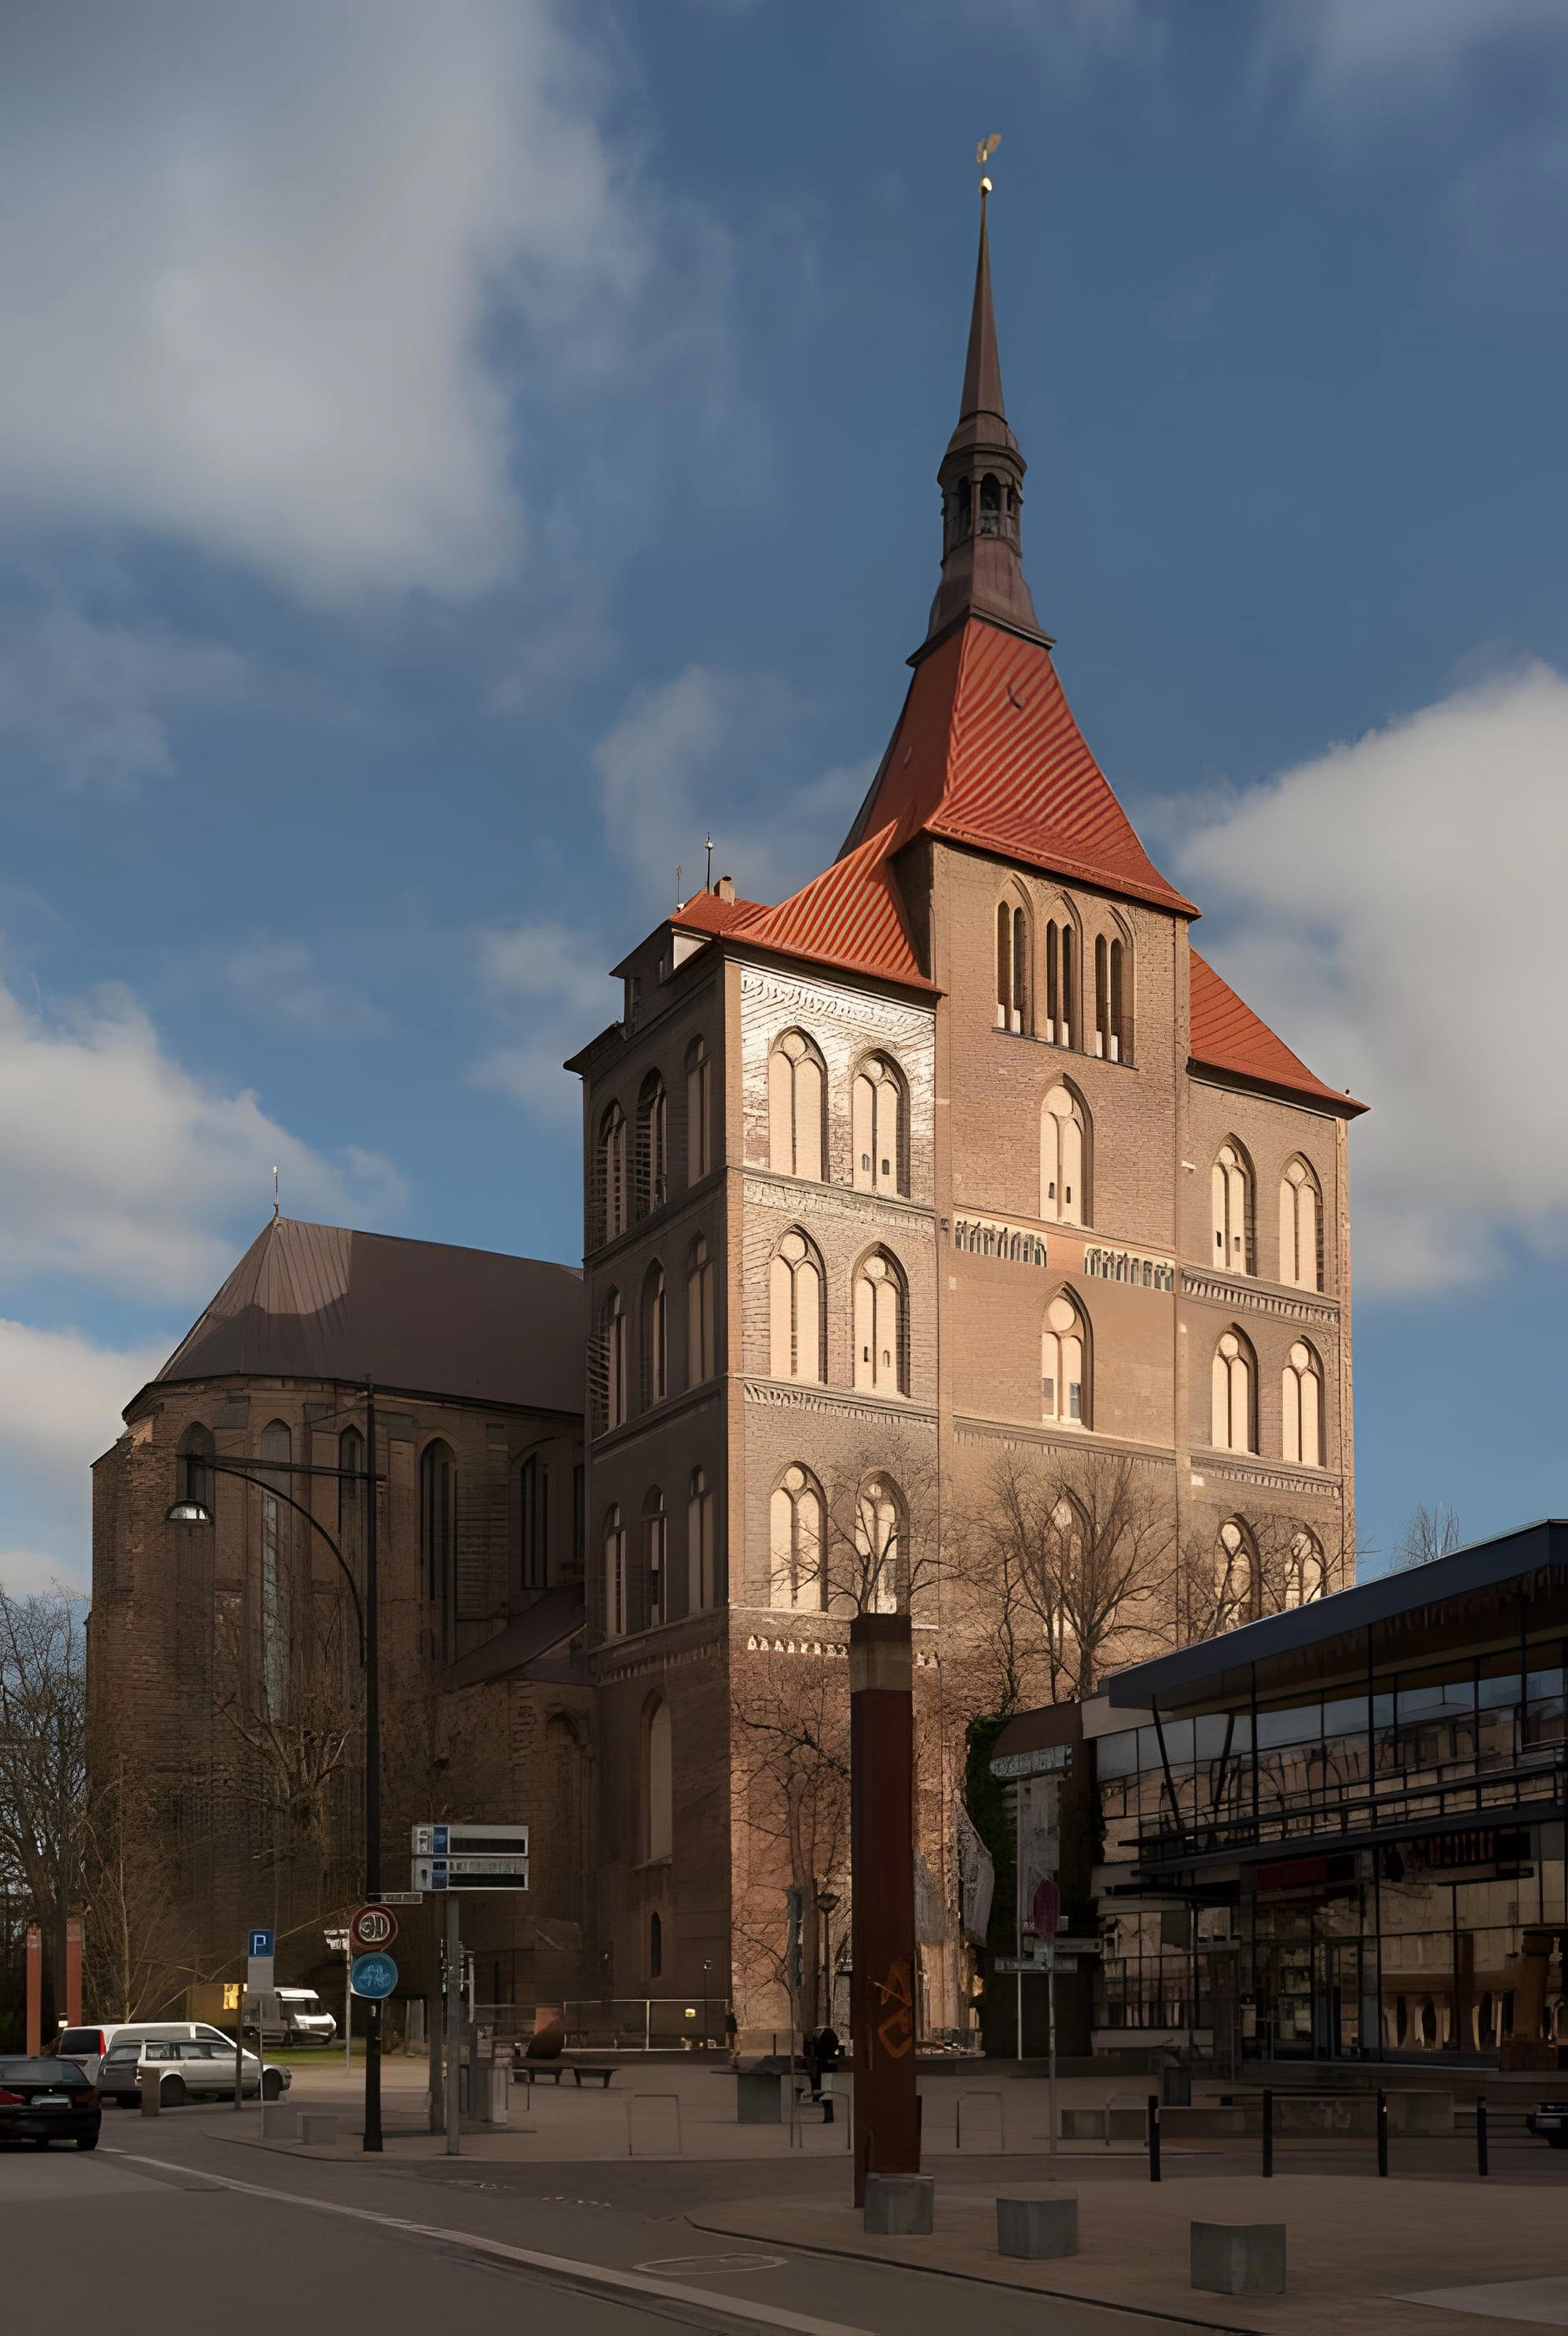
[(793, 1716), (1081, 1541), (1426, 1534), (1261, 1565), (43, 1755), (297, 1711), (132, 1927), (878, 1548)]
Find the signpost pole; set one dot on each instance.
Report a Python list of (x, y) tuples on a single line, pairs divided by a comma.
[(372, 2123), (1051, 2019), (347, 2003), (1018, 1904), (453, 1978)]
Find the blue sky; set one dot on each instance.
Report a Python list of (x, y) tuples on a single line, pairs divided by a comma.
[(450, 459)]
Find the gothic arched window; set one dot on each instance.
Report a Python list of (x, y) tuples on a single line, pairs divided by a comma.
[(1061, 981), (659, 1771), (438, 1526), (195, 1480), (876, 1117), (881, 1308), (613, 1352), (1231, 1186), (699, 1111), (1301, 1404), (612, 1173), (881, 1557), (1012, 1001), (1235, 1575), (1063, 1150), (655, 1559), (701, 1544), (700, 1348), (1300, 1218), (797, 1102), (1234, 1378), (1112, 1000), (653, 1145), (795, 1310), (276, 1556), (796, 1523), (655, 1337), (1306, 1576), (612, 1547), (1063, 1359)]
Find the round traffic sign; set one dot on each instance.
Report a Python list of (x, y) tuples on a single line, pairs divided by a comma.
[(374, 1976), (372, 1927)]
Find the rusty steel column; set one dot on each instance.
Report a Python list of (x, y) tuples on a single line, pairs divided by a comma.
[(34, 1991), (882, 1859), (73, 1971)]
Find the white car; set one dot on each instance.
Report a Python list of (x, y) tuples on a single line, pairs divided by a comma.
[(87, 2046), (186, 2068)]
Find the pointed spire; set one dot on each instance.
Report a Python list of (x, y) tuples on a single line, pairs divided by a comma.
[(981, 481), (982, 367)]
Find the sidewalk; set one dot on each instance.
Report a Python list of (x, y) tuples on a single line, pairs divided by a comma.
[(1357, 2252)]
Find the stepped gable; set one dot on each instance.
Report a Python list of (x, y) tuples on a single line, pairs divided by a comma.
[(1227, 1035), (419, 1318)]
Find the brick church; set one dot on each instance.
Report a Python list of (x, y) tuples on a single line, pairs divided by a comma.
[(954, 1238)]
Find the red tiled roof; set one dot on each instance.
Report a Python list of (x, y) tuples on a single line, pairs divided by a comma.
[(987, 751), (705, 912), (1227, 1035), (848, 916)]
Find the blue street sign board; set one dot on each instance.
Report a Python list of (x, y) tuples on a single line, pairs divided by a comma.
[(260, 1943), (374, 1976)]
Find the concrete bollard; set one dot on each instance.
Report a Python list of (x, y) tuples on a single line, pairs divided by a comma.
[(318, 2125), (759, 2097), (1239, 2258), (150, 2085), (1034, 2229), (900, 2206), (279, 2122), (500, 2093)]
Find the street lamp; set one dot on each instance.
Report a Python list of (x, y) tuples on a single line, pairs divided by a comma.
[(826, 1902), (367, 1615)]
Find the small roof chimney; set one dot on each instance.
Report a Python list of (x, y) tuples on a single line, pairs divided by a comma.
[(725, 888)]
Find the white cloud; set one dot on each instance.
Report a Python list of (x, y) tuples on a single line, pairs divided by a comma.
[(118, 1166), (97, 700), (269, 271), (1394, 908), (279, 982), (547, 986), (1399, 48), (61, 1398), (705, 748)]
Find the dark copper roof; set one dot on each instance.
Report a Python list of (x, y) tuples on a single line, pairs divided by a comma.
[(321, 1302)]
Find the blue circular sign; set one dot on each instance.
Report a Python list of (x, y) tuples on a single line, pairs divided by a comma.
[(374, 1975)]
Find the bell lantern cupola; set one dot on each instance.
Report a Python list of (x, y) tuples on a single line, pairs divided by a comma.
[(981, 481)]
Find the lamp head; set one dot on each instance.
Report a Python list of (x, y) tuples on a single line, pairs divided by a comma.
[(188, 1513)]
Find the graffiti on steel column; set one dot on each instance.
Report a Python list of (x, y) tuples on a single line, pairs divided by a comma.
[(895, 2033)]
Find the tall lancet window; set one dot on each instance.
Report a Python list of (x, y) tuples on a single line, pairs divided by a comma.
[(796, 1093)]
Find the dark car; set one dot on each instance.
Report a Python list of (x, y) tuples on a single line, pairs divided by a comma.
[(1550, 2121), (42, 2101)]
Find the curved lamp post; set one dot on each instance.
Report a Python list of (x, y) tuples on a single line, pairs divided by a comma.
[(367, 1616)]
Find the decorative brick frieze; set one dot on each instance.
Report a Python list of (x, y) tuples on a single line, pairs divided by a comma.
[(1222, 1290)]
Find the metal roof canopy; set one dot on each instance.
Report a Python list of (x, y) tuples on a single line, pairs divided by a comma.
[(1414, 1618)]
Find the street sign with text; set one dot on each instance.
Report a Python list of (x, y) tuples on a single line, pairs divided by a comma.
[(478, 1873), (471, 1840)]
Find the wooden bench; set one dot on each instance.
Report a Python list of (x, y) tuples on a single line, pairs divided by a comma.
[(531, 2070)]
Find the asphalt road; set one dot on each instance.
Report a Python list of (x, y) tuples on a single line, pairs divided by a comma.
[(170, 2223)]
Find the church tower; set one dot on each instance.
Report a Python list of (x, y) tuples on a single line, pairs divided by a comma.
[(954, 1199)]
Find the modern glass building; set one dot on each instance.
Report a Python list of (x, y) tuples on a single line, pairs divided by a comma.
[(1337, 1834)]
